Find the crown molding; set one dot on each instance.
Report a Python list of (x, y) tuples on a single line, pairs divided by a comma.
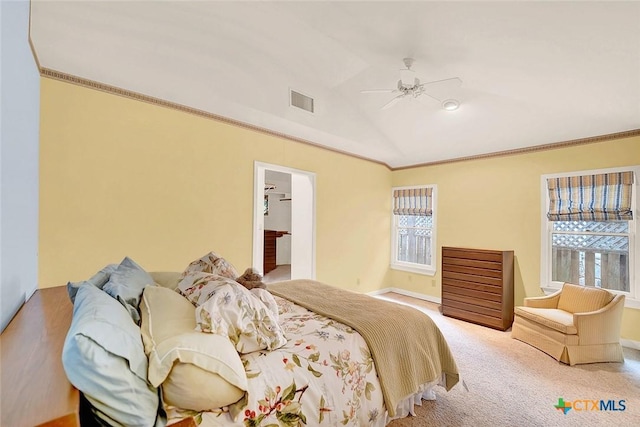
[(114, 90), (544, 147)]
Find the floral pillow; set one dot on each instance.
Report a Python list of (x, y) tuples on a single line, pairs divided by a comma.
[(225, 307), (214, 264), (267, 299)]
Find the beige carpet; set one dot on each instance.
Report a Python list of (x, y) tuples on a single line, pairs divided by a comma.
[(513, 384), (281, 272)]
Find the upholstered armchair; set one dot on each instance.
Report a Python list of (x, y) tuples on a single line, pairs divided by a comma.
[(577, 324)]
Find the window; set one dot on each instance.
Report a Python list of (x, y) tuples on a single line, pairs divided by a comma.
[(589, 223), (413, 225)]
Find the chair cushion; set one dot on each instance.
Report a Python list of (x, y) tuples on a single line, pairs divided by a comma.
[(581, 299), (559, 320), (197, 371)]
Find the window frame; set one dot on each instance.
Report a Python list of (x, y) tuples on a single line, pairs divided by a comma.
[(549, 286), (428, 270)]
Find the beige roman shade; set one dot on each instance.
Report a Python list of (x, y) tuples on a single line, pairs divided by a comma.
[(413, 201), (602, 197)]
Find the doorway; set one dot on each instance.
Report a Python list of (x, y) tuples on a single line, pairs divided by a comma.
[(284, 200)]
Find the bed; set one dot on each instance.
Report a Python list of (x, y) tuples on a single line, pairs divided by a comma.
[(342, 358)]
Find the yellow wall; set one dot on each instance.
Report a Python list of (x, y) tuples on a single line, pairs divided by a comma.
[(495, 204), (120, 177)]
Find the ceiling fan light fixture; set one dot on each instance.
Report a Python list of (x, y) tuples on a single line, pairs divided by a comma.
[(409, 86), (450, 104), (407, 77)]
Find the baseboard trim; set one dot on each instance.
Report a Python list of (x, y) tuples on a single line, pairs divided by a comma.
[(630, 343), (380, 292), (411, 294)]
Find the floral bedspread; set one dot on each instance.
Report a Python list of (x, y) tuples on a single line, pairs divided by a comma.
[(323, 376)]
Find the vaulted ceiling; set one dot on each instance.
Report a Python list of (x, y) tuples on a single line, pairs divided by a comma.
[(533, 73)]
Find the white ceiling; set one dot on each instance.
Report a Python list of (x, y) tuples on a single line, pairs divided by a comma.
[(533, 73)]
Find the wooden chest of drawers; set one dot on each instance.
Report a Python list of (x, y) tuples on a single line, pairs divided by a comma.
[(477, 286), (270, 258)]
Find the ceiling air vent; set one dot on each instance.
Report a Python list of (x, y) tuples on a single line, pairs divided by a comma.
[(301, 101)]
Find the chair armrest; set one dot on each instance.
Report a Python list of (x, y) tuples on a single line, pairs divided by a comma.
[(600, 326), (548, 301)]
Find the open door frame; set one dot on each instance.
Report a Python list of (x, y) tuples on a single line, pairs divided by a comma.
[(303, 219)]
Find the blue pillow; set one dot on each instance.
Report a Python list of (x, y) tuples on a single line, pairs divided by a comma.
[(104, 358), (126, 284), (98, 280)]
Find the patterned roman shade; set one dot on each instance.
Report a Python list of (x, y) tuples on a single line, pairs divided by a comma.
[(602, 197), (413, 201)]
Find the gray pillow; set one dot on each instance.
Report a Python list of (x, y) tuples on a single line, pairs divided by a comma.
[(98, 280), (104, 358), (126, 284)]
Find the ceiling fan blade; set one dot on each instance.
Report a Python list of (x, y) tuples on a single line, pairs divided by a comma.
[(379, 91), (432, 97), (453, 81), (442, 89), (392, 102)]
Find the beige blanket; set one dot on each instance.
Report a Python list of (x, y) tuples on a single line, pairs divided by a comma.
[(407, 347)]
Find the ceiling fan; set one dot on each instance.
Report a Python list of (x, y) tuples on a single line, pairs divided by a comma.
[(409, 86)]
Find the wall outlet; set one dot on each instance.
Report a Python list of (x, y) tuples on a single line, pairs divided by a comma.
[(433, 283)]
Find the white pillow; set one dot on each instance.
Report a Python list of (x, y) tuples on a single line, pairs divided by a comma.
[(166, 279), (197, 371), (227, 308), (103, 357)]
